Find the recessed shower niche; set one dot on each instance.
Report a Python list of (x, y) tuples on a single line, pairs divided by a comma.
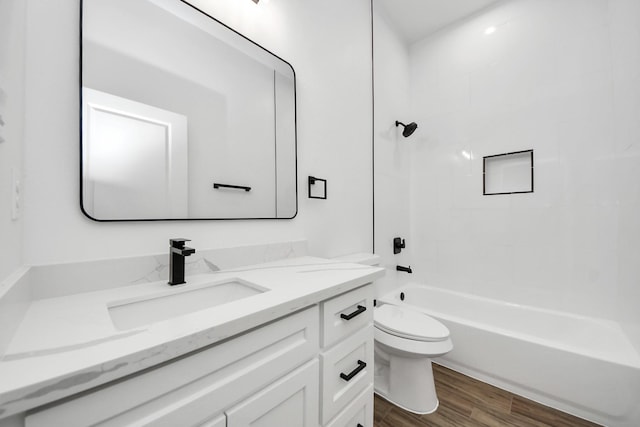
[(508, 173), (182, 117)]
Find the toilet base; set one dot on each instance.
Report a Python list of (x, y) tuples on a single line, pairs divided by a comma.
[(406, 382), (385, 397)]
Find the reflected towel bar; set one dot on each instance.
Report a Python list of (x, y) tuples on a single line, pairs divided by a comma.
[(239, 187)]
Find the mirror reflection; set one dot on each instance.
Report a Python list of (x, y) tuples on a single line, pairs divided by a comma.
[(182, 118)]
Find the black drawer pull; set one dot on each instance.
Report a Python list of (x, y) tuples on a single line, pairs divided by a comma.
[(359, 425), (361, 309), (347, 377)]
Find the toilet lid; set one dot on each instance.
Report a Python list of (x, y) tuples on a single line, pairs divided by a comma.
[(407, 323)]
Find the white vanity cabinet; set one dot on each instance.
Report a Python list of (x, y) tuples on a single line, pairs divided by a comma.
[(311, 368), (347, 359), (197, 388)]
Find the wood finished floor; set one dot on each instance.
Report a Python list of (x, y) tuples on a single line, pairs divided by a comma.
[(466, 402)]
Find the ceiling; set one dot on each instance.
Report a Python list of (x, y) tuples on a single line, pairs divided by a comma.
[(416, 19)]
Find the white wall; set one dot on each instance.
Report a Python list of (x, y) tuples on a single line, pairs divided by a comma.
[(328, 44), (392, 162), (561, 77), (12, 39)]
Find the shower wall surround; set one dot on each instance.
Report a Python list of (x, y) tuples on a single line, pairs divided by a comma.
[(328, 65), (562, 78), (392, 150)]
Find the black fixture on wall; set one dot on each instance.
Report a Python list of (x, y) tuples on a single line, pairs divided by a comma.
[(408, 129), (398, 245), (321, 193), (217, 185)]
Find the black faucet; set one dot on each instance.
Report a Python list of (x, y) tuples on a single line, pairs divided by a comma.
[(405, 269), (178, 251)]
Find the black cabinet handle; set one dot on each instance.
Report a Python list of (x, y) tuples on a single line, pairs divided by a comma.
[(361, 309), (347, 377), (359, 425)]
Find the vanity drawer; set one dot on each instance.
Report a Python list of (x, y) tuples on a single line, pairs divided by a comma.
[(345, 314), (358, 413), (347, 369), (197, 387)]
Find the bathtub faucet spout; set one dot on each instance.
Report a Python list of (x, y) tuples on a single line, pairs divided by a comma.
[(405, 269)]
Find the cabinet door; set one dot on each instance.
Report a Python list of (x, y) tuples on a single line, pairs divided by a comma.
[(291, 401)]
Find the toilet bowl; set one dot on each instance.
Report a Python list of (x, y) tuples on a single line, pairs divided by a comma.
[(405, 342)]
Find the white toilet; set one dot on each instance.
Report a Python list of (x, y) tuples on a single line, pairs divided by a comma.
[(405, 342)]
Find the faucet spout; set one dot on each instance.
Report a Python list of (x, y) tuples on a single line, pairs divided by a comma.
[(177, 253), (405, 269), (183, 252)]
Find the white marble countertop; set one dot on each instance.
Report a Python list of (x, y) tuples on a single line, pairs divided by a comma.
[(68, 344)]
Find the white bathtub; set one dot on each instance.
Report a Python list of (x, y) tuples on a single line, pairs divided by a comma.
[(580, 365)]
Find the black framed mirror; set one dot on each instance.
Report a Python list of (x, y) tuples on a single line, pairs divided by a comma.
[(182, 117)]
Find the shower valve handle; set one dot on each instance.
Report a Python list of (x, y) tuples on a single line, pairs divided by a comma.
[(398, 245)]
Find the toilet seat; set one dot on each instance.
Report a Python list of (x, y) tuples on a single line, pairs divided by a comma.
[(409, 324), (411, 348)]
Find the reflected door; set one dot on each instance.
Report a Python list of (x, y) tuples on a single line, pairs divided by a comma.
[(135, 159)]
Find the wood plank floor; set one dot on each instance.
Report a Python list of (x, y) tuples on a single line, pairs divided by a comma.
[(466, 402)]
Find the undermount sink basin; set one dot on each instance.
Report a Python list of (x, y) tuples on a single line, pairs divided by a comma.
[(133, 313)]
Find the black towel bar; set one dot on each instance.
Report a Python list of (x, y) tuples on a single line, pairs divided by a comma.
[(239, 187)]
